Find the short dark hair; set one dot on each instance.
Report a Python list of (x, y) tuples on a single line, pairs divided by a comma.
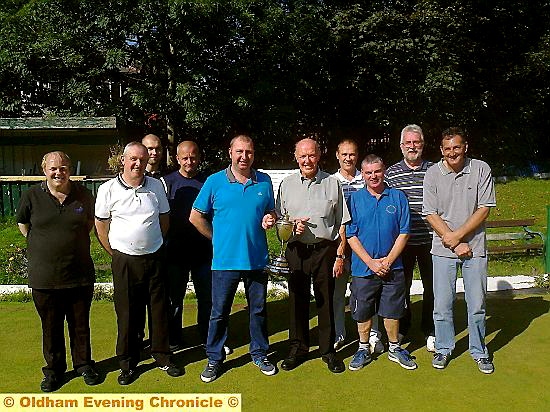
[(453, 131), (243, 137)]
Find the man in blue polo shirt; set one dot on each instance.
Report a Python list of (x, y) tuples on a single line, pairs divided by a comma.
[(241, 204), (377, 234)]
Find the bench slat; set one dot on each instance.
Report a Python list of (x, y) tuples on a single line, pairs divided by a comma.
[(515, 248), (506, 236), (510, 223)]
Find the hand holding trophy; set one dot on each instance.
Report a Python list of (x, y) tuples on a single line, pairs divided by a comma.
[(284, 228)]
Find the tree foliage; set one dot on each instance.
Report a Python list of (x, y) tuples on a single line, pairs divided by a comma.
[(282, 69)]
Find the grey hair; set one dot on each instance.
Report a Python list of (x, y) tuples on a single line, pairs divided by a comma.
[(412, 128), (370, 159), (132, 144)]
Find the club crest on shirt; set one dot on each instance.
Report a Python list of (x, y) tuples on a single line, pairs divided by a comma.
[(391, 209)]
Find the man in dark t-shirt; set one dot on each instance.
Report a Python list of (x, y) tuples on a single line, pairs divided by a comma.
[(188, 252), (56, 217)]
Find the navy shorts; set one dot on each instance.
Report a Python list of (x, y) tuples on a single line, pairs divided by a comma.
[(372, 294)]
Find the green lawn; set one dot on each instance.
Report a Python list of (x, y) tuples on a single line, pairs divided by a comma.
[(518, 331)]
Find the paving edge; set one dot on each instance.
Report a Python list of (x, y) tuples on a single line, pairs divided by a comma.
[(496, 283)]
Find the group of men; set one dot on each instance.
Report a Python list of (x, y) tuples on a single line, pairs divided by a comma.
[(374, 224)]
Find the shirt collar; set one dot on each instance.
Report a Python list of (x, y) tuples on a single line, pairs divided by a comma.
[(126, 186), (385, 192), (465, 170), (423, 166), (232, 179), (316, 178), (357, 177)]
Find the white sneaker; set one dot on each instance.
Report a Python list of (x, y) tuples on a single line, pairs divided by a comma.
[(227, 350), (430, 343), (376, 345)]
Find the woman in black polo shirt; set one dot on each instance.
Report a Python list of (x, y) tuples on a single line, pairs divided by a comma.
[(56, 217)]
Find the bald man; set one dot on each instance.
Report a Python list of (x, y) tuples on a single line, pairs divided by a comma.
[(314, 200), (188, 252), (154, 148)]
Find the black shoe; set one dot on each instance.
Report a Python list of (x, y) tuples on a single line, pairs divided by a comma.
[(334, 364), (50, 383), (293, 361), (172, 370), (91, 377), (126, 377)]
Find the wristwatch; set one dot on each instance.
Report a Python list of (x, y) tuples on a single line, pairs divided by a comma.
[(343, 257)]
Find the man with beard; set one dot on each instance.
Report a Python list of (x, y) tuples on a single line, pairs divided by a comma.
[(408, 176), (154, 148)]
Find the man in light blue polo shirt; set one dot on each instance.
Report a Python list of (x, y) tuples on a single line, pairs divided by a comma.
[(377, 234), (241, 203)]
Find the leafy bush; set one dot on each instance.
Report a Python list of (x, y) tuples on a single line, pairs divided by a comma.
[(15, 266)]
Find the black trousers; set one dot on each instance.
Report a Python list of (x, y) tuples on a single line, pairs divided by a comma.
[(138, 281), (418, 254), (53, 307), (307, 264)]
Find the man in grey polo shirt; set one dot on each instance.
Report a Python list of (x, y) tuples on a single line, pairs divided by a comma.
[(458, 194), (314, 200)]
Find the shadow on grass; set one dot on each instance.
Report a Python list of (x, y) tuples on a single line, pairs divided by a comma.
[(507, 315), (238, 336)]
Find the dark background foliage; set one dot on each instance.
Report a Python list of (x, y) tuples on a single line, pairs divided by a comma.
[(205, 70)]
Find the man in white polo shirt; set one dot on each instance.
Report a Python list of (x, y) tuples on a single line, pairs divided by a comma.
[(131, 219)]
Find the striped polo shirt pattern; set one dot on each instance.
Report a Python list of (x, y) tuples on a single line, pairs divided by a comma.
[(410, 181)]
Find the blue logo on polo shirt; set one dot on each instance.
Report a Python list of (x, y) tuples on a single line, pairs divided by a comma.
[(391, 209)]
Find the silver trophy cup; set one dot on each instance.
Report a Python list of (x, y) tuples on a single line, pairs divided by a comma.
[(284, 228)]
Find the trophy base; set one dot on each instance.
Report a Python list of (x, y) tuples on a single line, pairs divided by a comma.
[(278, 266)]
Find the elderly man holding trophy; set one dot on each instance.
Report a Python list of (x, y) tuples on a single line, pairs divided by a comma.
[(313, 200)]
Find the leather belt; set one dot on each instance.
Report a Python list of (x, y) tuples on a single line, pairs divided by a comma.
[(312, 246)]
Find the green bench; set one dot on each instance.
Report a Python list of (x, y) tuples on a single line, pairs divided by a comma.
[(519, 239)]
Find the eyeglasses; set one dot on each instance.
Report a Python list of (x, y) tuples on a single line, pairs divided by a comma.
[(415, 143)]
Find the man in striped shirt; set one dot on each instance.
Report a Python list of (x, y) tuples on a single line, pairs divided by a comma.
[(408, 176)]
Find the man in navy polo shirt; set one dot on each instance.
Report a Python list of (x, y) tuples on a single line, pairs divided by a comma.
[(240, 202), (377, 234)]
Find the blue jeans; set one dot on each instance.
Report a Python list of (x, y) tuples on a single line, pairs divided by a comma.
[(224, 287), (474, 274), (178, 277)]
